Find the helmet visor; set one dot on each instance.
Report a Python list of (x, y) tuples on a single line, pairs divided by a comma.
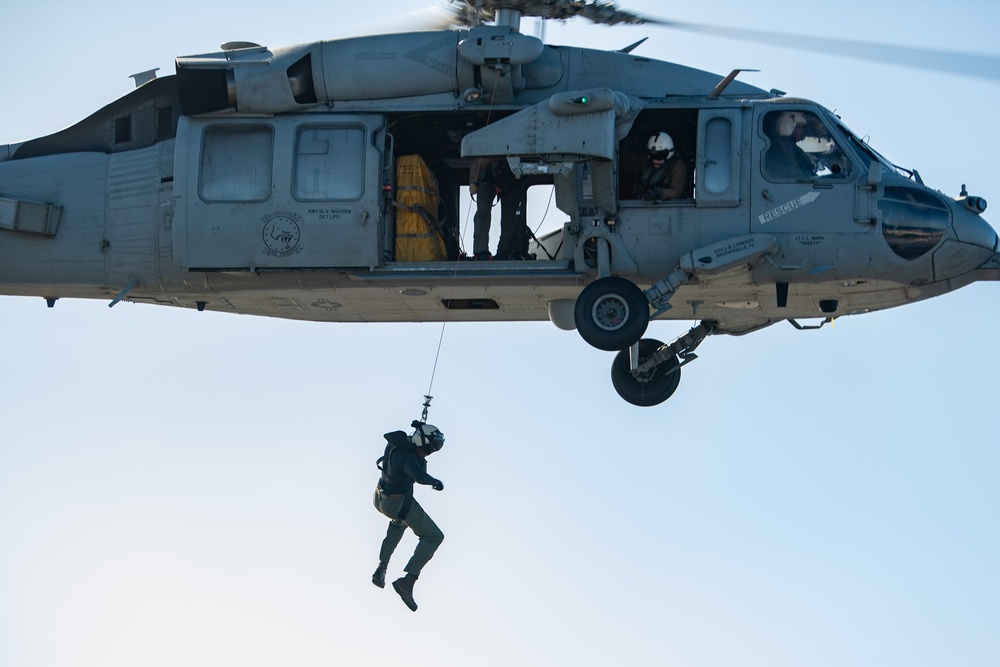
[(435, 441)]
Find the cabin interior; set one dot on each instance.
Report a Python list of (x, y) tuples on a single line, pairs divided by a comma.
[(437, 137)]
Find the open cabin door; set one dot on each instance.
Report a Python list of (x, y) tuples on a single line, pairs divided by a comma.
[(290, 192)]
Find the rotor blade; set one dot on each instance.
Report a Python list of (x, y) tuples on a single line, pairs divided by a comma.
[(435, 17), (952, 62), (605, 13), (608, 14)]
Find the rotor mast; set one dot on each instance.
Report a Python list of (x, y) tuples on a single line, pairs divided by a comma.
[(509, 17)]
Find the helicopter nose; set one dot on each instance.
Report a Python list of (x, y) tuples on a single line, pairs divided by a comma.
[(972, 229), (975, 244)]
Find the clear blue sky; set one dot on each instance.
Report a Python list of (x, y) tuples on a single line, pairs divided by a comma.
[(183, 488)]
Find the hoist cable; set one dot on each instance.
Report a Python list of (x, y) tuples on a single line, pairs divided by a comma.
[(451, 291)]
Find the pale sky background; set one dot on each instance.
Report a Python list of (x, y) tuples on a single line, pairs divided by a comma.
[(184, 488)]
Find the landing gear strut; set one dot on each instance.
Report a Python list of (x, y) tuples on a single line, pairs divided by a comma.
[(648, 372)]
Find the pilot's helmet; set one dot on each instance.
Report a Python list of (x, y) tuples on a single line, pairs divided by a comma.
[(787, 122), (428, 437), (660, 146)]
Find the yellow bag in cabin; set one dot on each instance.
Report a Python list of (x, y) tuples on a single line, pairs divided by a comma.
[(418, 238)]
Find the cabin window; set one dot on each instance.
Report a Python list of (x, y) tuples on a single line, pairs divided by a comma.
[(236, 164), (123, 129), (329, 163), (717, 174), (802, 147)]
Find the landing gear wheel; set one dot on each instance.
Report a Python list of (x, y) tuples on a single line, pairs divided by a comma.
[(651, 388), (611, 313)]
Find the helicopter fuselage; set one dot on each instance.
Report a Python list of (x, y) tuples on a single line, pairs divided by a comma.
[(266, 183)]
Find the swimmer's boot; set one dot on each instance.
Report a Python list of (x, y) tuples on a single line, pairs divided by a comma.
[(378, 578), (404, 586)]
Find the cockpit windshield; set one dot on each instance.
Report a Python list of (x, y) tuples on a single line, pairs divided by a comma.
[(865, 149)]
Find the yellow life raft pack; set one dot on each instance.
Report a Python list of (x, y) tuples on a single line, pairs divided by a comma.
[(418, 236)]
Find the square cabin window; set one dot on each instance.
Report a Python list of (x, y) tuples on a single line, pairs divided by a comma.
[(236, 164), (329, 164)]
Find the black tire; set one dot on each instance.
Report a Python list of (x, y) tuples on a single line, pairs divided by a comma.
[(611, 313), (659, 385)]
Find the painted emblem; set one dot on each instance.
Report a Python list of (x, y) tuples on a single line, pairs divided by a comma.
[(326, 304), (281, 234)]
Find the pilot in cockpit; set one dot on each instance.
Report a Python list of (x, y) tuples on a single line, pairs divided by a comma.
[(785, 158)]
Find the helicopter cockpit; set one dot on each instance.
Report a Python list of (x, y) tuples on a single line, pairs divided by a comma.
[(801, 146)]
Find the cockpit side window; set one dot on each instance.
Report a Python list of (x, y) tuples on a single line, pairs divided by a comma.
[(801, 147)]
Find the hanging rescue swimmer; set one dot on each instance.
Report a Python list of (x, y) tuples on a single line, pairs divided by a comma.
[(404, 463)]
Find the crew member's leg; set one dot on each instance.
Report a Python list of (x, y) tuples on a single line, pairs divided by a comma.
[(430, 538), (392, 537), (483, 219), (390, 506), (511, 222)]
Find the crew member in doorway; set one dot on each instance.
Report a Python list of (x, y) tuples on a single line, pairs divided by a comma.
[(665, 175), (489, 180), (405, 462)]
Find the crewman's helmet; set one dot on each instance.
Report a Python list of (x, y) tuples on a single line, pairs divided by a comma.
[(427, 437), (787, 122), (660, 146)]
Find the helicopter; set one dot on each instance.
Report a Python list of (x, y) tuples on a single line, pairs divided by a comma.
[(268, 182)]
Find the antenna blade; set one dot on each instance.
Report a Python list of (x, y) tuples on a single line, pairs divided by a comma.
[(631, 47)]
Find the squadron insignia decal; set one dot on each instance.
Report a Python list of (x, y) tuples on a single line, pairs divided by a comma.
[(281, 234)]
